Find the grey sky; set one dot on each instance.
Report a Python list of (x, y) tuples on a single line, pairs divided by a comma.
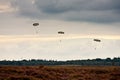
[(81, 20), (78, 10), (17, 16)]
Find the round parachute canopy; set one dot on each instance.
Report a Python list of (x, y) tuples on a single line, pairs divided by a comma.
[(35, 24), (60, 32), (97, 40)]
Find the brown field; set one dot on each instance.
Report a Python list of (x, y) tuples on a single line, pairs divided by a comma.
[(59, 73)]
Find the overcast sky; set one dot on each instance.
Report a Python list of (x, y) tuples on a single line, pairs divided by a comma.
[(81, 20)]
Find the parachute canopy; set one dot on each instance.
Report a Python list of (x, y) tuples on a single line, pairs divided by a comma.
[(97, 40), (60, 32), (35, 24)]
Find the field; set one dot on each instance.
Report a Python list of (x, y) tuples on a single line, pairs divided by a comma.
[(59, 73)]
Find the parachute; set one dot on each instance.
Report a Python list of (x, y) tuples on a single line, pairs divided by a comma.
[(60, 32), (97, 40), (36, 26)]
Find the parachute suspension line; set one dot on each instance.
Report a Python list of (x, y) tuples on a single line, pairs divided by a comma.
[(36, 30)]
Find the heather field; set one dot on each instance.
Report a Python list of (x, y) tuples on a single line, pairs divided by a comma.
[(59, 73)]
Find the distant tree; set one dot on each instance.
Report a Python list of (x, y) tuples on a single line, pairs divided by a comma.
[(98, 59), (108, 59)]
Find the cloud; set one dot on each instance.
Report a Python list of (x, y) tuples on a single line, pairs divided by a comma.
[(70, 10), (5, 6), (25, 8), (57, 6), (71, 16)]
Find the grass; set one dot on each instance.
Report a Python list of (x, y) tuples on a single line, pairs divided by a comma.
[(59, 73)]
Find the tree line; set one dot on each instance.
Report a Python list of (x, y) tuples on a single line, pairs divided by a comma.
[(89, 62)]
